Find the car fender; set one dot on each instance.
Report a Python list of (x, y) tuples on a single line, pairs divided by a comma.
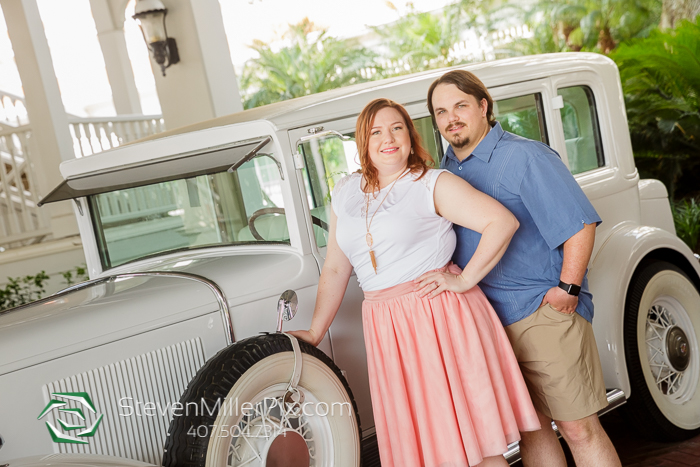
[(610, 274)]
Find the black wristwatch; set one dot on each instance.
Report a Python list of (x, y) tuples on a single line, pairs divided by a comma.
[(571, 289)]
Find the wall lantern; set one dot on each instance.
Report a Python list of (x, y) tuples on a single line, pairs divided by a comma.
[(150, 15)]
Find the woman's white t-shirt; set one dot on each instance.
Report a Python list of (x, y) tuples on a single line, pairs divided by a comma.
[(409, 237)]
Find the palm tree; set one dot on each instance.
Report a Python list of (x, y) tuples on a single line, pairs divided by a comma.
[(674, 11), (420, 41), (311, 62), (598, 25)]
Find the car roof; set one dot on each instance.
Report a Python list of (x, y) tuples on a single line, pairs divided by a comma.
[(349, 100), (325, 107)]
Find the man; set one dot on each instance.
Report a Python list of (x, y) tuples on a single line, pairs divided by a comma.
[(539, 288)]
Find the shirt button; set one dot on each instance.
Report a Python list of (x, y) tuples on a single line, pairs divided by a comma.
[(460, 167)]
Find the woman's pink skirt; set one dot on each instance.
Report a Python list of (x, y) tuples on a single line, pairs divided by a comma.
[(446, 388)]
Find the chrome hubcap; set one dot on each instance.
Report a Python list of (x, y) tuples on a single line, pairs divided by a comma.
[(669, 350), (677, 349)]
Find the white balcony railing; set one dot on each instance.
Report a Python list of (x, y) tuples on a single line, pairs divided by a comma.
[(13, 112), (96, 134), (21, 221)]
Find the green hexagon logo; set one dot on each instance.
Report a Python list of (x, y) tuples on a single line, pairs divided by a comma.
[(59, 436)]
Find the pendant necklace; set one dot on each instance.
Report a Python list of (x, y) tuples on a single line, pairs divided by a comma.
[(368, 221)]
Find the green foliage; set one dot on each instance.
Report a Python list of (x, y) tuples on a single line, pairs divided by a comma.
[(661, 80), (575, 25), (21, 290), (421, 41), (80, 272), (686, 216), (312, 62), (525, 123)]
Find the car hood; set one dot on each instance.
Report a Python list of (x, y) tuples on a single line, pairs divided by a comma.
[(123, 306), (96, 314), (75, 460), (244, 275)]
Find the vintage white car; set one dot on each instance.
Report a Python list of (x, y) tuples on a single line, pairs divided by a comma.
[(169, 353)]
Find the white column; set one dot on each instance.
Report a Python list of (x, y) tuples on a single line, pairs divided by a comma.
[(51, 140), (203, 85), (110, 33)]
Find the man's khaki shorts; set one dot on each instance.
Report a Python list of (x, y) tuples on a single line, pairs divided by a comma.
[(560, 363)]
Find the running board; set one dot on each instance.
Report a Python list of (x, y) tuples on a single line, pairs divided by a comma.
[(615, 399)]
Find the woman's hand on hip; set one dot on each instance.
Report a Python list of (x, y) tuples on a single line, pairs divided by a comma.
[(432, 284)]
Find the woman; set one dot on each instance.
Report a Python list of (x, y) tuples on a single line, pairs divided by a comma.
[(446, 388)]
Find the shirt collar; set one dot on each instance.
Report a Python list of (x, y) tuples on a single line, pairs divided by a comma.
[(485, 148)]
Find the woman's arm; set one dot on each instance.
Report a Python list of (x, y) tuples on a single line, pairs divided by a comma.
[(331, 289), (459, 202)]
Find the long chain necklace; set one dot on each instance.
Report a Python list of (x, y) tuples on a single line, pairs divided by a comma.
[(368, 221)]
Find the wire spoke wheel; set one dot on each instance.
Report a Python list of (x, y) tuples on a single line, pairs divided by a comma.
[(662, 329), (253, 419), (671, 353)]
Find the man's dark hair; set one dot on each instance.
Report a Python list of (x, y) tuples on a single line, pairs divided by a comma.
[(466, 82)]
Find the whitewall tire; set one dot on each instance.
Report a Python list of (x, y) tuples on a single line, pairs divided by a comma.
[(245, 420), (662, 332)]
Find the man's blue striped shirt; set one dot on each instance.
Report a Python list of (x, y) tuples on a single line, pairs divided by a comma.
[(528, 178)]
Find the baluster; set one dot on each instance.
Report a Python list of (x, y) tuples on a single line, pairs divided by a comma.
[(128, 133), (84, 140), (13, 219), (21, 112), (102, 136), (113, 136), (4, 213), (77, 150), (141, 199), (137, 129), (15, 176), (119, 133), (4, 114), (94, 135), (113, 204), (39, 213)]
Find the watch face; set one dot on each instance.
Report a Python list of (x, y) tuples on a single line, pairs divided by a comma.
[(571, 289)]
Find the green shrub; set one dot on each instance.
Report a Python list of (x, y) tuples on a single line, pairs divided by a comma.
[(21, 290), (80, 275), (686, 216)]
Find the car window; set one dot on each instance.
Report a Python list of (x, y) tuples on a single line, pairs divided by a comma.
[(430, 137), (245, 206), (522, 115), (327, 160), (581, 131)]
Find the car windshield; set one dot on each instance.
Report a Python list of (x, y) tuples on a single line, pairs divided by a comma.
[(242, 207)]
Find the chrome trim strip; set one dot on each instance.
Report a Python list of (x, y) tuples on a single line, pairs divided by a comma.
[(218, 293), (615, 399)]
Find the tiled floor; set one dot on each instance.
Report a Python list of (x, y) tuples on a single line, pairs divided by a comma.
[(636, 451)]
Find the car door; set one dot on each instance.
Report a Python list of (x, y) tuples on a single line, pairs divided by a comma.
[(322, 159)]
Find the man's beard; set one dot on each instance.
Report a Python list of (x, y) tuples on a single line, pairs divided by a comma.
[(457, 141)]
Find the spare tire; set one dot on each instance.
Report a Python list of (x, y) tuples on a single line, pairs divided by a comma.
[(233, 413)]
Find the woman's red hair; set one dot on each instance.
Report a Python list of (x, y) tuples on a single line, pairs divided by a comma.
[(419, 161)]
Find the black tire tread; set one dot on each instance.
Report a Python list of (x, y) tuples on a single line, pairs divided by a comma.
[(640, 409), (214, 381)]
